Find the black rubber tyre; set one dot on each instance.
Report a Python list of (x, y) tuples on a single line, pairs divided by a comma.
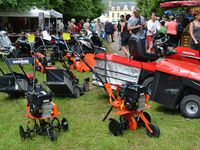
[(124, 123), (86, 86), (190, 106), (115, 127), (52, 135), (140, 121), (155, 129), (148, 83), (22, 132), (15, 95), (64, 124), (77, 92)]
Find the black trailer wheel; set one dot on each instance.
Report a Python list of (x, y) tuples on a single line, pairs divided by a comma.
[(77, 92), (140, 121), (115, 127), (22, 132), (190, 106), (155, 131), (64, 124), (148, 83)]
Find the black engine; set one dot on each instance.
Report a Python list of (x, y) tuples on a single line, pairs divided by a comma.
[(40, 103), (130, 93)]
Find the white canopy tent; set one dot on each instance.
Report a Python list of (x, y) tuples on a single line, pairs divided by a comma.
[(55, 14), (34, 12)]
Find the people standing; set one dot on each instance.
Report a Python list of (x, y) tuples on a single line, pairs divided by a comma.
[(172, 31), (163, 29), (119, 25), (61, 27), (153, 26), (72, 26), (98, 27), (195, 32), (125, 34), (179, 29), (136, 25), (86, 25), (79, 25), (109, 30)]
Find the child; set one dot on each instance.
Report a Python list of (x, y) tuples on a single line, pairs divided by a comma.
[(163, 29)]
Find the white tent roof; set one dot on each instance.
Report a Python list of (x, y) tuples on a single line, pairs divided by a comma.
[(34, 12), (55, 14)]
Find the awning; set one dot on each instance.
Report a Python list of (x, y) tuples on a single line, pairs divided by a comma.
[(181, 3), (55, 14), (34, 12)]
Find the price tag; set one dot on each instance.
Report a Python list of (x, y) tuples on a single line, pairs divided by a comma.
[(66, 36), (31, 38)]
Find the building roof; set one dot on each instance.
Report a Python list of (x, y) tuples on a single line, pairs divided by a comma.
[(122, 4)]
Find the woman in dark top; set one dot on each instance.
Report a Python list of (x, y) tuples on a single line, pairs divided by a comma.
[(125, 34), (195, 32)]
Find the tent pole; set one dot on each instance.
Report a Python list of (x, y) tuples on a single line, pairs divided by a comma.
[(56, 26)]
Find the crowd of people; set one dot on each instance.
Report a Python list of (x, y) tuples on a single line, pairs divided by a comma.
[(103, 30), (135, 25), (172, 26)]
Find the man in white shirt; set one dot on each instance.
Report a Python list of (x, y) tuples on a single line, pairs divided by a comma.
[(153, 26)]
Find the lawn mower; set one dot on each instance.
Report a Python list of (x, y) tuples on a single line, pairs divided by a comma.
[(43, 61), (43, 112), (9, 82), (177, 86), (64, 83), (5, 44), (131, 100), (141, 68)]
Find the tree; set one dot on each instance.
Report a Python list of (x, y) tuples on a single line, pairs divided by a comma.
[(82, 9), (149, 6), (70, 8)]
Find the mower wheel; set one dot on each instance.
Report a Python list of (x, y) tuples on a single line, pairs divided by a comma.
[(15, 95), (155, 131), (77, 92), (52, 135), (124, 123), (115, 127), (24, 135), (86, 86), (148, 83), (22, 132), (190, 106), (64, 124), (141, 122)]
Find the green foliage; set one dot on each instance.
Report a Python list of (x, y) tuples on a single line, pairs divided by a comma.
[(22, 5), (70, 8), (149, 6), (82, 9)]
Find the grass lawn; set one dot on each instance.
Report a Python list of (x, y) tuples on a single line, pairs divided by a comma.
[(87, 131)]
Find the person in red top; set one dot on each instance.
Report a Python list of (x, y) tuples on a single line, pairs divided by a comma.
[(172, 30), (80, 25)]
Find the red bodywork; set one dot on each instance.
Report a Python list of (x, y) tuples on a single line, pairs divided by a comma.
[(185, 54), (175, 64), (181, 3), (179, 68)]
